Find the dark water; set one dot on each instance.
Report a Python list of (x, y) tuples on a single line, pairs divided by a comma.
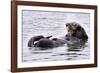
[(53, 23)]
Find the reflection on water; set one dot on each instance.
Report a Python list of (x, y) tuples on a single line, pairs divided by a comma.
[(53, 23)]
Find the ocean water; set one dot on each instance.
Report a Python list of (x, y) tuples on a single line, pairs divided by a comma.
[(52, 23)]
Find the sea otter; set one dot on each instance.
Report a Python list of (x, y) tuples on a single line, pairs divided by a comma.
[(76, 35)]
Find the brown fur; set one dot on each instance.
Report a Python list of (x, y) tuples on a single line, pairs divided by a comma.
[(72, 27)]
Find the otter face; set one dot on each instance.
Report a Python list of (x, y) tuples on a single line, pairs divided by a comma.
[(72, 27)]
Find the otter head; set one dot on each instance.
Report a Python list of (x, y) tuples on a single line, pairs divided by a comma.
[(71, 27)]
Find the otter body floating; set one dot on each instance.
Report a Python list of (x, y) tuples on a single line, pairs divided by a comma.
[(45, 42), (76, 35)]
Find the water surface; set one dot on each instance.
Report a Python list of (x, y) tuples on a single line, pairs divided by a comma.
[(52, 23)]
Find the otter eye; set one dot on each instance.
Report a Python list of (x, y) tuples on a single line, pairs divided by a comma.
[(67, 24)]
